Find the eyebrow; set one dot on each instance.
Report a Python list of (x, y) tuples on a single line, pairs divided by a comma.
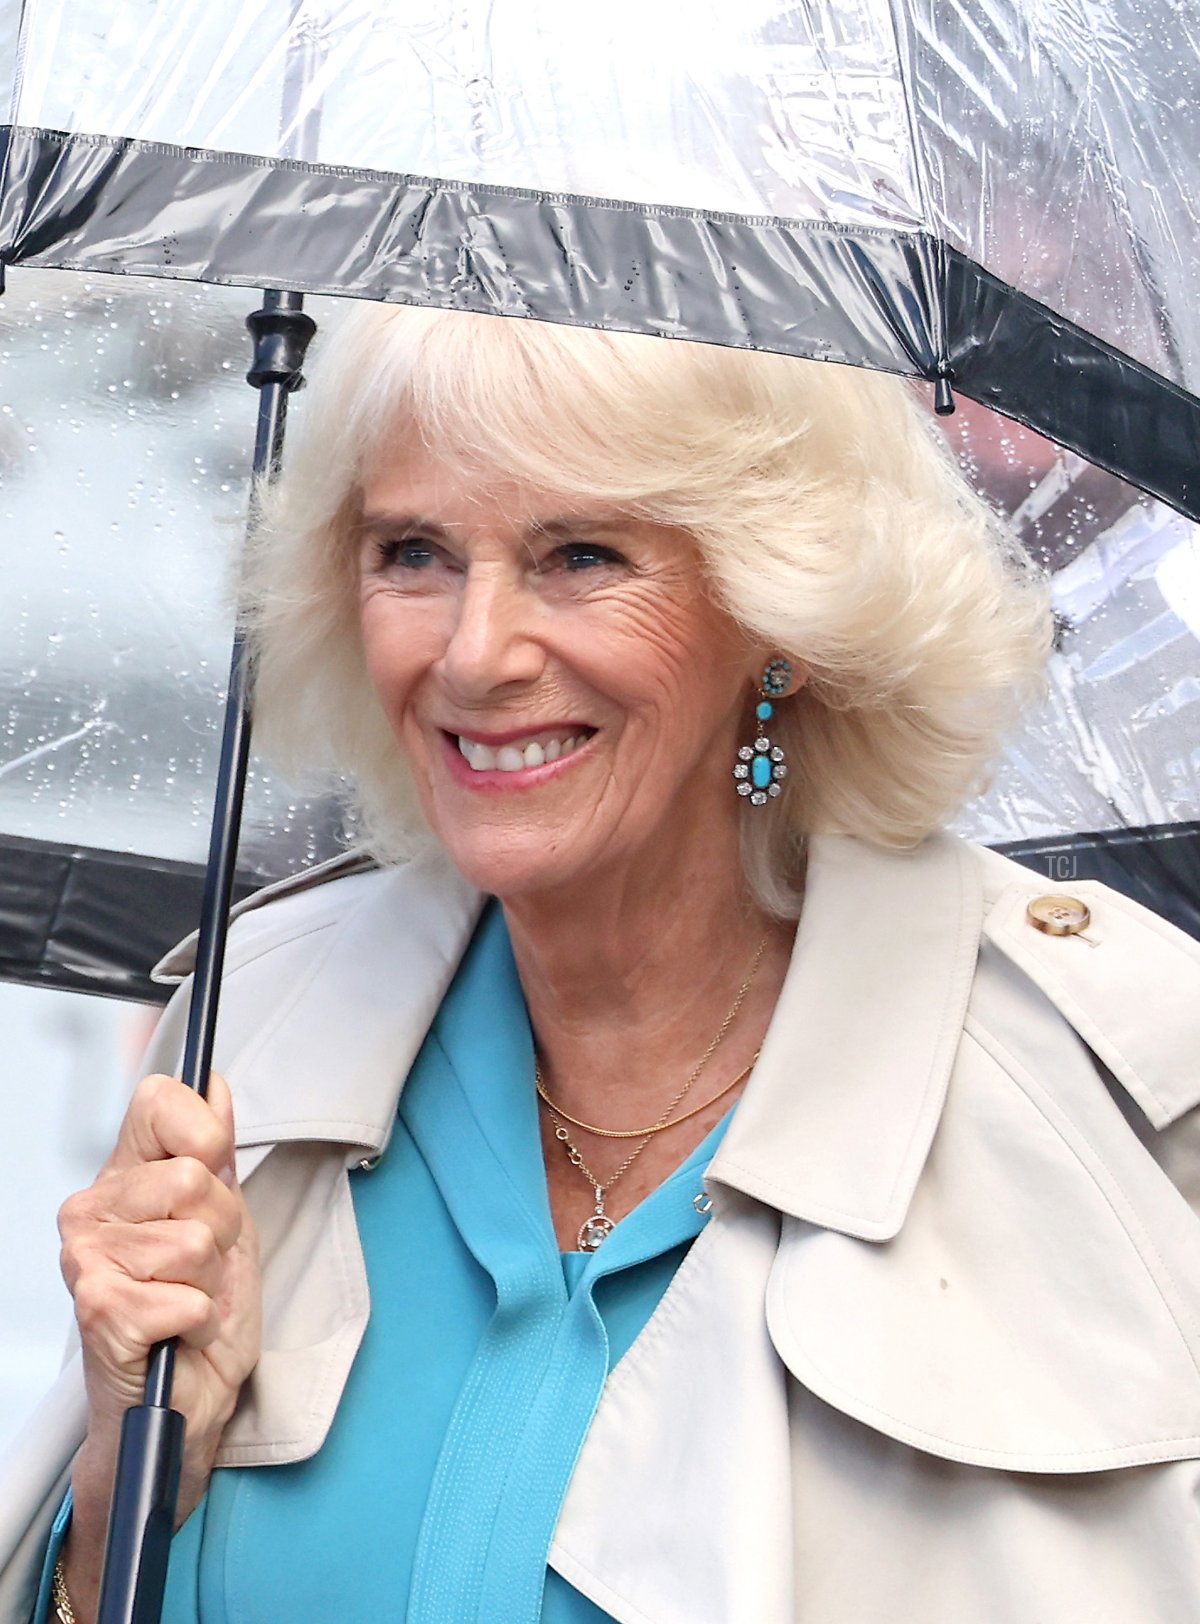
[(580, 524), (374, 522), (566, 526)]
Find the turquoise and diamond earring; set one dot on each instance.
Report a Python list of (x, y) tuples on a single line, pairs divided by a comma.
[(760, 766)]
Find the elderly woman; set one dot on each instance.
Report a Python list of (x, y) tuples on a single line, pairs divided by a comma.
[(675, 1182)]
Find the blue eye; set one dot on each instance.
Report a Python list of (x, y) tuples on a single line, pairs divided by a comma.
[(587, 555), (406, 555)]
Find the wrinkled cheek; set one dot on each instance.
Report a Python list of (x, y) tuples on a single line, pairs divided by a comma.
[(387, 690), (375, 649), (393, 663)]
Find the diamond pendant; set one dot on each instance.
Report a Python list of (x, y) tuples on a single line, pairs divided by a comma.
[(598, 1227), (595, 1232)]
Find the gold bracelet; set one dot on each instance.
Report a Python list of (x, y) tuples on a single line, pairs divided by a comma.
[(62, 1602)]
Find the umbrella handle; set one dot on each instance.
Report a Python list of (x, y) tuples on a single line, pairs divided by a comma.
[(281, 335), (146, 1487)]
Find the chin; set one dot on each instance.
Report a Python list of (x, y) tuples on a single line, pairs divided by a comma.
[(523, 868)]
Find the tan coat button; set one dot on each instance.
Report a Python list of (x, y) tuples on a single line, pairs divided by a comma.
[(1058, 916)]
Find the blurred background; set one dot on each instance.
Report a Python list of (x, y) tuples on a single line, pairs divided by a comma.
[(65, 1062)]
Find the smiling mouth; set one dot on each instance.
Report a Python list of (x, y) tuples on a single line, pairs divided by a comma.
[(537, 750)]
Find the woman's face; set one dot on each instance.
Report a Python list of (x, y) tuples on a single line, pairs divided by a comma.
[(567, 694)]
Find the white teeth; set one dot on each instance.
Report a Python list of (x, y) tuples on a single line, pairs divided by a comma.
[(481, 758), (509, 758)]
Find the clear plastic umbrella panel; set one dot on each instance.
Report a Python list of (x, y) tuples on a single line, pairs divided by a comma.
[(996, 199)]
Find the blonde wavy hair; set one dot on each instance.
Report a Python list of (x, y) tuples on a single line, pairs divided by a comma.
[(828, 515)]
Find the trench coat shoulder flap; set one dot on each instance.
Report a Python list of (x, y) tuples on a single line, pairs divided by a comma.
[(331, 981), (989, 1263), (327, 996)]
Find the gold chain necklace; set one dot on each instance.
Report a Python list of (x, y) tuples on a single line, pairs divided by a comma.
[(596, 1229), (639, 1133)]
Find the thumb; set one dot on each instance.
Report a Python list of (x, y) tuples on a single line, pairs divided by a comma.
[(220, 1101)]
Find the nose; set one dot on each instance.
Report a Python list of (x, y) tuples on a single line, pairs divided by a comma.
[(492, 646)]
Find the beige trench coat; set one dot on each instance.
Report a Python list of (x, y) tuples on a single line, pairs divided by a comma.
[(936, 1357)]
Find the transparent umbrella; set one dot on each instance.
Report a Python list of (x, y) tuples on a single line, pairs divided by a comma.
[(997, 198)]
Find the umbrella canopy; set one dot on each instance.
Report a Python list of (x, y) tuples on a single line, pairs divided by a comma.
[(895, 183), (1000, 196)]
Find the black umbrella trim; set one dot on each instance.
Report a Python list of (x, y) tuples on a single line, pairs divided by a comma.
[(95, 921), (889, 300), (1009, 352), (97, 204)]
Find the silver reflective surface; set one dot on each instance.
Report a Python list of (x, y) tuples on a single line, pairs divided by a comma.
[(126, 429)]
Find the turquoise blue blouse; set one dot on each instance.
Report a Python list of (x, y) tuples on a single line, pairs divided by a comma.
[(442, 1477)]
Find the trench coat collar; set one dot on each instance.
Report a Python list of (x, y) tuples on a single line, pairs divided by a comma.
[(836, 1122)]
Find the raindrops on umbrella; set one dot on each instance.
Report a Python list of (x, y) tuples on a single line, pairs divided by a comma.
[(120, 534)]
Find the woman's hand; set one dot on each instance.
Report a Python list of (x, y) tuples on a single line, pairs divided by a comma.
[(160, 1246)]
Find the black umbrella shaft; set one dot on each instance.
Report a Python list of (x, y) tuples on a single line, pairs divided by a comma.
[(142, 1515), (214, 909), (274, 385)]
